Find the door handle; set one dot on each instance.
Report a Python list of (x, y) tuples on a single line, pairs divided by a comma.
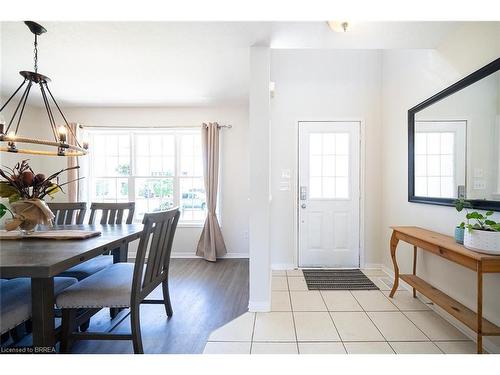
[(303, 205), (303, 193)]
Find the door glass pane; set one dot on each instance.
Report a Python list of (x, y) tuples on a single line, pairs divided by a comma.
[(315, 143), (342, 166), (342, 144), (342, 187), (328, 187), (315, 187), (329, 165)]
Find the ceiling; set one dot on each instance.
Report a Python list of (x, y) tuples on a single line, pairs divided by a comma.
[(178, 63)]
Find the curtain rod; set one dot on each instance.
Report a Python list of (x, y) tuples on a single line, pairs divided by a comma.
[(147, 127)]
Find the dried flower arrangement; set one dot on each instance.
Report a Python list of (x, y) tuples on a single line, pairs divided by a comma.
[(26, 191)]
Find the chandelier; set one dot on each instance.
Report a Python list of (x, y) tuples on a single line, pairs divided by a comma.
[(9, 132)]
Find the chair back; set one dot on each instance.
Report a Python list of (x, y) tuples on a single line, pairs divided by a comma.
[(156, 242), (68, 213), (112, 213)]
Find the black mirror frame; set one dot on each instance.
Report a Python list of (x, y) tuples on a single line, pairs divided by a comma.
[(481, 204)]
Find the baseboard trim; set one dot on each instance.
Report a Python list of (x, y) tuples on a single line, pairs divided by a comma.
[(487, 344), (259, 306), (180, 255), (283, 266), (377, 266), (291, 266)]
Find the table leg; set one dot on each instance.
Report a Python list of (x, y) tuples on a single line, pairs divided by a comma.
[(414, 268), (394, 245), (42, 305), (120, 254), (479, 308)]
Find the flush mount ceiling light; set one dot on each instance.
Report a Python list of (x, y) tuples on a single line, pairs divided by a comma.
[(339, 26), (10, 132)]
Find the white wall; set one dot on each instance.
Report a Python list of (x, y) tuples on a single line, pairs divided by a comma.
[(323, 85), (234, 154), (410, 76)]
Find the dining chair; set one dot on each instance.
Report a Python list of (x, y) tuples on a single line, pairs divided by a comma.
[(15, 300), (124, 284), (68, 213), (112, 213), (72, 213)]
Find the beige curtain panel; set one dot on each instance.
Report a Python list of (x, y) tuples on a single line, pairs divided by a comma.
[(211, 244)]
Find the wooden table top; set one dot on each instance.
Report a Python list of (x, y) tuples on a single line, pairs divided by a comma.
[(48, 257), (444, 241)]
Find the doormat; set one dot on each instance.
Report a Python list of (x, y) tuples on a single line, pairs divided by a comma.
[(338, 280)]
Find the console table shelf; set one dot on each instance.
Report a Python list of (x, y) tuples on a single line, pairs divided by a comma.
[(446, 247), (451, 306)]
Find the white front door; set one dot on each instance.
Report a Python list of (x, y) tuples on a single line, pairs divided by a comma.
[(328, 201)]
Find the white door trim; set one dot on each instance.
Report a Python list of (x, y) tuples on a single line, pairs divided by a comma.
[(362, 184)]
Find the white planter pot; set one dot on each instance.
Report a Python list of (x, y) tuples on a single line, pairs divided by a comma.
[(482, 241)]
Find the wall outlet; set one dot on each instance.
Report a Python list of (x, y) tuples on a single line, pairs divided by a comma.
[(245, 235)]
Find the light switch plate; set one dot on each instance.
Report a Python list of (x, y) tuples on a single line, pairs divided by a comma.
[(285, 173), (479, 185)]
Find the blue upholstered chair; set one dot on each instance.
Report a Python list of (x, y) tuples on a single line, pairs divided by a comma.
[(15, 300)]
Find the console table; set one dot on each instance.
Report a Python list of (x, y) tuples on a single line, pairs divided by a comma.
[(446, 247)]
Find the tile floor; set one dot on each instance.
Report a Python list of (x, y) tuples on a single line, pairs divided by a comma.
[(339, 322)]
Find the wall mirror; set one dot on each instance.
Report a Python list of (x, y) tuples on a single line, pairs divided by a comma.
[(454, 143)]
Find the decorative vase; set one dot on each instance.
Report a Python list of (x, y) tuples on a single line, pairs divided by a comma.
[(483, 241), (28, 214), (459, 235)]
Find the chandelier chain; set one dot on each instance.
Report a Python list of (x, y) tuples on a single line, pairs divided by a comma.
[(36, 54)]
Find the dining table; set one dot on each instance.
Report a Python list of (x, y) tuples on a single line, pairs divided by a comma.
[(43, 259)]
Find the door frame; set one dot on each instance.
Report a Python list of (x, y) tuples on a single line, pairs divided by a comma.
[(362, 163)]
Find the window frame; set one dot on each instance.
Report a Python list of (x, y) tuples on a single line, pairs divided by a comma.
[(458, 128), (132, 133)]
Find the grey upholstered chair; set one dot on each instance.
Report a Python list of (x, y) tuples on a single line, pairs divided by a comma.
[(112, 213), (15, 300), (68, 213), (71, 214), (124, 284)]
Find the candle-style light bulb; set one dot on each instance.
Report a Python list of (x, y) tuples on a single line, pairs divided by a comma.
[(62, 133), (11, 137), (2, 124)]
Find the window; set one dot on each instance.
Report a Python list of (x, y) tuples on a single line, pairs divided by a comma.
[(434, 165), (439, 158), (329, 165), (156, 169)]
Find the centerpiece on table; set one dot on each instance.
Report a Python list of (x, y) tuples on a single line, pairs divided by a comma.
[(26, 192)]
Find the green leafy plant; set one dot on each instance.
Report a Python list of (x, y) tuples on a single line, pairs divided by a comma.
[(482, 222), (4, 210)]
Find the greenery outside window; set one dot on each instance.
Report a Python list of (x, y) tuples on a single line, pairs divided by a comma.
[(158, 169)]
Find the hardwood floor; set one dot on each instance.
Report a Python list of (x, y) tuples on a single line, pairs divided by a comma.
[(204, 296)]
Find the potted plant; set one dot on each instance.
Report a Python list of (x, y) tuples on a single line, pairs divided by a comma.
[(26, 191), (460, 205), (483, 233)]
